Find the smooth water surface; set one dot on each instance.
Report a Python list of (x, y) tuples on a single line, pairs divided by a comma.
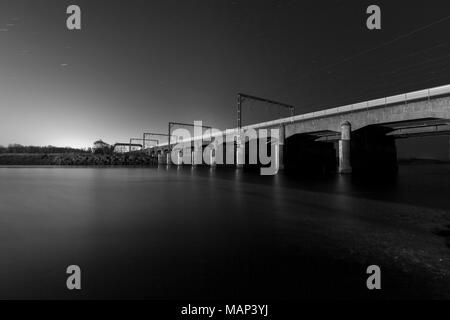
[(202, 233)]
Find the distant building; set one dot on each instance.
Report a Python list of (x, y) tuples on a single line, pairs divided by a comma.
[(100, 145)]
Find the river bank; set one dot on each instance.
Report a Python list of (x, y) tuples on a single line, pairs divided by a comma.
[(117, 159), (82, 159)]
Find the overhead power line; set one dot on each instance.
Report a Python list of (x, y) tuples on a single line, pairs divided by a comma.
[(384, 44)]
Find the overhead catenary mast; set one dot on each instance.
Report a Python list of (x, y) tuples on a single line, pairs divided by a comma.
[(243, 96)]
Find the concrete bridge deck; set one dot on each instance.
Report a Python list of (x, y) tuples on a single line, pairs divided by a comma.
[(428, 103)]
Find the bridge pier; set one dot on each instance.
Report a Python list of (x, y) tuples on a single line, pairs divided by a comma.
[(158, 157), (240, 152), (344, 148), (212, 157), (186, 155), (192, 157), (168, 157), (162, 159), (280, 148), (197, 153), (176, 157)]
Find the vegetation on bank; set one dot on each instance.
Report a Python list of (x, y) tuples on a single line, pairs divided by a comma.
[(102, 154), (98, 148), (20, 149), (77, 159), (17, 154)]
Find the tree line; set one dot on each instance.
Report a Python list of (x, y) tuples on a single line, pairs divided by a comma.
[(18, 148)]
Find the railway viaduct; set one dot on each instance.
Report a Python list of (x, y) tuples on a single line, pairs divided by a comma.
[(359, 137)]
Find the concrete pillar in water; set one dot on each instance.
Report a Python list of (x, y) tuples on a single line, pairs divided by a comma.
[(168, 157), (178, 157), (344, 148), (281, 149), (161, 159), (197, 156), (240, 152), (192, 157), (212, 157), (187, 154)]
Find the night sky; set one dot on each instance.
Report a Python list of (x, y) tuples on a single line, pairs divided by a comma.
[(136, 65)]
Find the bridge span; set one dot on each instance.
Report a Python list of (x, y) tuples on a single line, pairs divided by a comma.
[(359, 137)]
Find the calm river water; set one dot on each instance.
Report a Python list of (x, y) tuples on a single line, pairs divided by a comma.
[(198, 233)]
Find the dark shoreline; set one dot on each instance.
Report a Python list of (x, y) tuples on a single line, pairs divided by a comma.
[(73, 159), (118, 159), (422, 161)]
